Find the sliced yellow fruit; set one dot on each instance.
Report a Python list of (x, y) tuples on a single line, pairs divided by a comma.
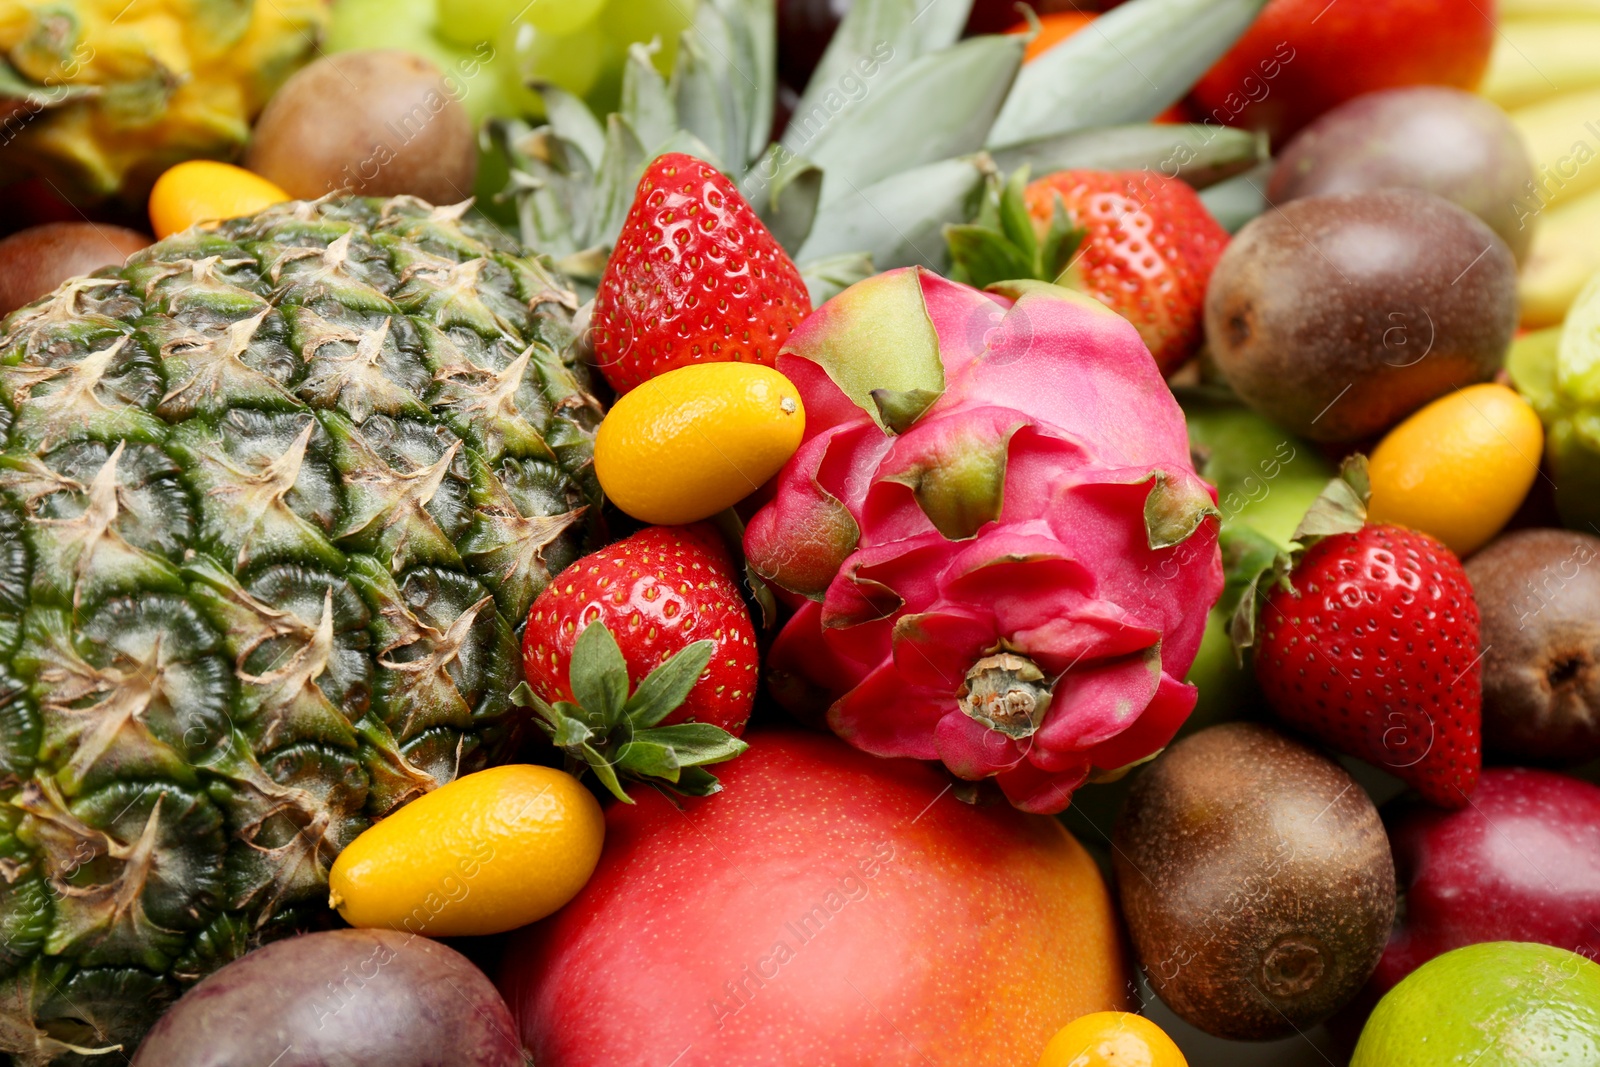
[(1537, 60), (1563, 138), (487, 853), (693, 441), (1459, 468), (1515, 10), (1564, 255)]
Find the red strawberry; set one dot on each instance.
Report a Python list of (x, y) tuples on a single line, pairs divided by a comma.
[(695, 278), (1147, 250), (1374, 651), (666, 681)]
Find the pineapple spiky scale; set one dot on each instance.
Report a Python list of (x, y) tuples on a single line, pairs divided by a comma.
[(273, 497)]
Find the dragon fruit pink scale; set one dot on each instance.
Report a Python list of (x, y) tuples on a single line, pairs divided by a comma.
[(1006, 555)]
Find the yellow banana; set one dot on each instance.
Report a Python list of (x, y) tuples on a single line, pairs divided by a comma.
[(1563, 138), (1565, 253), (1537, 60), (1513, 10)]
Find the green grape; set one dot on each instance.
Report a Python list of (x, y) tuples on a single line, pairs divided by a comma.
[(467, 22), (472, 74), (558, 16), (572, 61), (646, 20)]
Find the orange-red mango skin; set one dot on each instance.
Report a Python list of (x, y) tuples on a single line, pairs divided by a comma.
[(938, 932)]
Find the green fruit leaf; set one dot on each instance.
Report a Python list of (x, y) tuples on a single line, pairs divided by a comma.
[(1015, 221), (1246, 554), (1131, 63), (876, 39), (1061, 244), (644, 759), (878, 337), (604, 771), (899, 222), (695, 743), (1199, 155), (963, 85), (981, 256), (696, 782), (572, 121), (569, 731), (1239, 199), (599, 674), (1342, 507), (785, 190), (666, 687), (646, 104), (623, 161), (827, 278)]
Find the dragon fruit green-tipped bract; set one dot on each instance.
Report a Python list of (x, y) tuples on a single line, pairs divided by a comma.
[(1006, 552)]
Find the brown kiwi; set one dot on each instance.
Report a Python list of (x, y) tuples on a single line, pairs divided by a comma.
[(1337, 316), (375, 123), (1256, 880), (1538, 594), (36, 260)]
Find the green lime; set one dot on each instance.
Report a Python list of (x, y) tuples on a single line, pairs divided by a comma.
[(1499, 1004)]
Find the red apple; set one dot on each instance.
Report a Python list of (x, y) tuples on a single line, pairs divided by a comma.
[(1304, 57), (1520, 863), (827, 907)]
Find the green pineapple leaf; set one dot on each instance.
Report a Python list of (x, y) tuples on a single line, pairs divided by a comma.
[(1138, 59), (875, 40), (899, 221), (964, 85)]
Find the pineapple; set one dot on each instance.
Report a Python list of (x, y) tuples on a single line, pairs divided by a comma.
[(100, 96), (273, 497)]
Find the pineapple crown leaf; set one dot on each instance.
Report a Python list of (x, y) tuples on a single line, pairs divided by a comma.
[(1255, 565), (618, 736)]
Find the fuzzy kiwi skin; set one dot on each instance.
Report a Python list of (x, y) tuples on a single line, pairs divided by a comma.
[(1337, 316), (1442, 140), (1538, 594), (36, 260), (376, 123), (1256, 880)]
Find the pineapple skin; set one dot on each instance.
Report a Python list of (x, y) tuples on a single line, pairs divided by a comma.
[(275, 497), (100, 96)]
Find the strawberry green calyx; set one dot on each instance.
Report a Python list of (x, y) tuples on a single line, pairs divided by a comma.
[(1255, 566), (1003, 243), (616, 735)]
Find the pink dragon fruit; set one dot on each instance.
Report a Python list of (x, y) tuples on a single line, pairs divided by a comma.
[(1005, 552)]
